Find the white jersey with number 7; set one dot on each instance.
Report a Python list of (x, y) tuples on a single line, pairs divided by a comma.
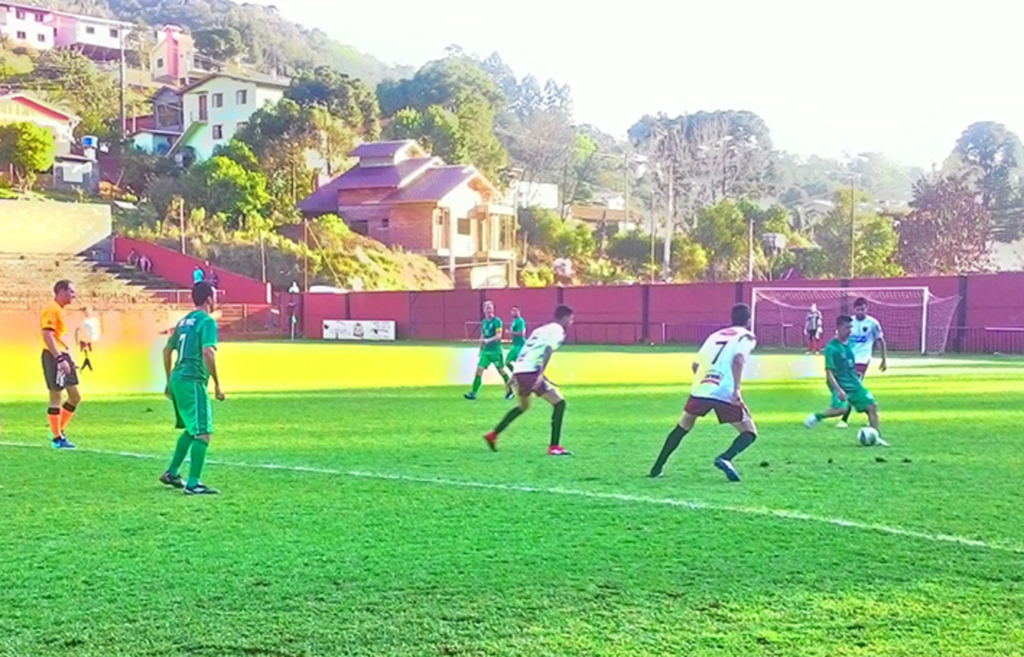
[(714, 379)]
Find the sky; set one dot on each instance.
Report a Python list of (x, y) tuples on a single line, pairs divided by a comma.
[(904, 77)]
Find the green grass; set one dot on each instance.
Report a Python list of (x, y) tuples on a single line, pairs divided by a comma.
[(99, 559)]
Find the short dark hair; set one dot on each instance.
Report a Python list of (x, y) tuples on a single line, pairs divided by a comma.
[(61, 286), (861, 301), (201, 293), (843, 319), (740, 314), (515, 307), (563, 311)]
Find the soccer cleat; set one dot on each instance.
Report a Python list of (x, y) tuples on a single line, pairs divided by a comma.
[(726, 467), (172, 480), (811, 421), (881, 443), (492, 441), (470, 396), (201, 489), (509, 394), (842, 425), (655, 474), (558, 450), (62, 443)]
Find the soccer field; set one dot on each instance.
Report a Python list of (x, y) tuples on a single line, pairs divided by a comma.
[(360, 521)]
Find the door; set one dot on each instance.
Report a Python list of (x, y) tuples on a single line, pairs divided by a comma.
[(203, 109)]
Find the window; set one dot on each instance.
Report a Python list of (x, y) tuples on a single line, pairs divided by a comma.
[(160, 62), (40, 18), (113, 34), (218, 100), (90, 30), (218, 132), (241, 97), (41, 38), (464, 227), (20, 14), (385, 223), (21, 36)]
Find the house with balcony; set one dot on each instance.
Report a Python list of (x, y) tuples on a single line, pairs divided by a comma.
[(217, 106), (96, 38), (400, 196), (27, 26), (158, 132)]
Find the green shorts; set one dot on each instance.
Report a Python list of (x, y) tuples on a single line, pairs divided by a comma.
[(513, 355), (859, 399), (192, 410), (488, 358)]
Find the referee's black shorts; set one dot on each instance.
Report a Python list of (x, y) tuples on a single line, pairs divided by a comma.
[(55, 380)]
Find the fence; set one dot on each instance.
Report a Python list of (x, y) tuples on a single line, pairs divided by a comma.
[(678, 314)]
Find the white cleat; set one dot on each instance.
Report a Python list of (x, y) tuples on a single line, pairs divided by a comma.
[(842, 425), (881, 443), (811, 421)]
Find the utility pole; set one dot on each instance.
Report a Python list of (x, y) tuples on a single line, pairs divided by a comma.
[(627, 183), (124, 89), (666, 258), (181, 221), (750, 249), (305, 254), (853, 226)]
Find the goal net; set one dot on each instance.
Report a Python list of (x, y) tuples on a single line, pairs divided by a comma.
[(912, 318)]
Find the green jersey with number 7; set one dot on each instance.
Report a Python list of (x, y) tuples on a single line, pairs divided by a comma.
[(714, 378)]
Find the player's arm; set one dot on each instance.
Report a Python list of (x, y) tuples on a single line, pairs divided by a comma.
[(210, 359), (835, 385), (497, 333), (544, 366), (739, 361), (885, 352)]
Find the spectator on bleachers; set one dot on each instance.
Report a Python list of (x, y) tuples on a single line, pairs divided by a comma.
[(145, 264), (198, 275), (133, 257), (213, 279)]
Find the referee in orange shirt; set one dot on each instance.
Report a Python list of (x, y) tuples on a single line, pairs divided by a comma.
[(58, 367)]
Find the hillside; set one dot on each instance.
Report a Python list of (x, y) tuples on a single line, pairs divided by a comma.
[(270, 41)]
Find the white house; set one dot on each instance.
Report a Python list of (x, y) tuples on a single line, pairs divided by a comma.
[(216, 107), (96, 38), (27, 26), (535, 194)]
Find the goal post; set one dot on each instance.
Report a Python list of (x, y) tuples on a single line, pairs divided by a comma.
[(912, 318)]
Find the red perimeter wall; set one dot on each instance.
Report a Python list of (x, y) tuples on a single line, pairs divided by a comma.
[(177, 268), (626, 314)]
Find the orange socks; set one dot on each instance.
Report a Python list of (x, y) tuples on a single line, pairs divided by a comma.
[(66, 413), (53, 415)]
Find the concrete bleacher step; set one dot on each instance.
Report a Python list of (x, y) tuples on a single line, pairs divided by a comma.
[(28, 279)]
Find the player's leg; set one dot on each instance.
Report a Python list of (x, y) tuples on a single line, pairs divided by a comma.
[(747, 435), (55, 389), (837, 409), (197, 452), (183, 403), (551, 395), (67, 411), (675, 437), (478, 379), (862, 370), (525, 384)]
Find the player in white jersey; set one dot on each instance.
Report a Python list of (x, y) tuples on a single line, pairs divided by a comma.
[(717, 377), (866, 332), (529, 370)]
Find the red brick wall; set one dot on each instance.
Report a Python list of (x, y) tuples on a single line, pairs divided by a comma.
[(412, 226)]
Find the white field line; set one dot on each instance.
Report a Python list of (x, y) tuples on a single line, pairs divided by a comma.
[(692, 505)]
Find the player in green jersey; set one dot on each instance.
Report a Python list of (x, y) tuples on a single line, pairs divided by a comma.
[(490, 351), (843, 380), (195, 340), (518, 331)]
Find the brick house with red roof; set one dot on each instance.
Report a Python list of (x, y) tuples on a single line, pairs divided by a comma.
[(400, 196)]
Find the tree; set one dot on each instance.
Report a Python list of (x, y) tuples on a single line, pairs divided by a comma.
[(874, 248), (221, 45), (436, 129), (65, 77), (222, 187), (285, 139), (722, 231), (994, 155), (28, 149), (347, 99), (947, 230)]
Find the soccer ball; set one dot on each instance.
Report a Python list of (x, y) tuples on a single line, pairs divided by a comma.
[(867, 437)]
